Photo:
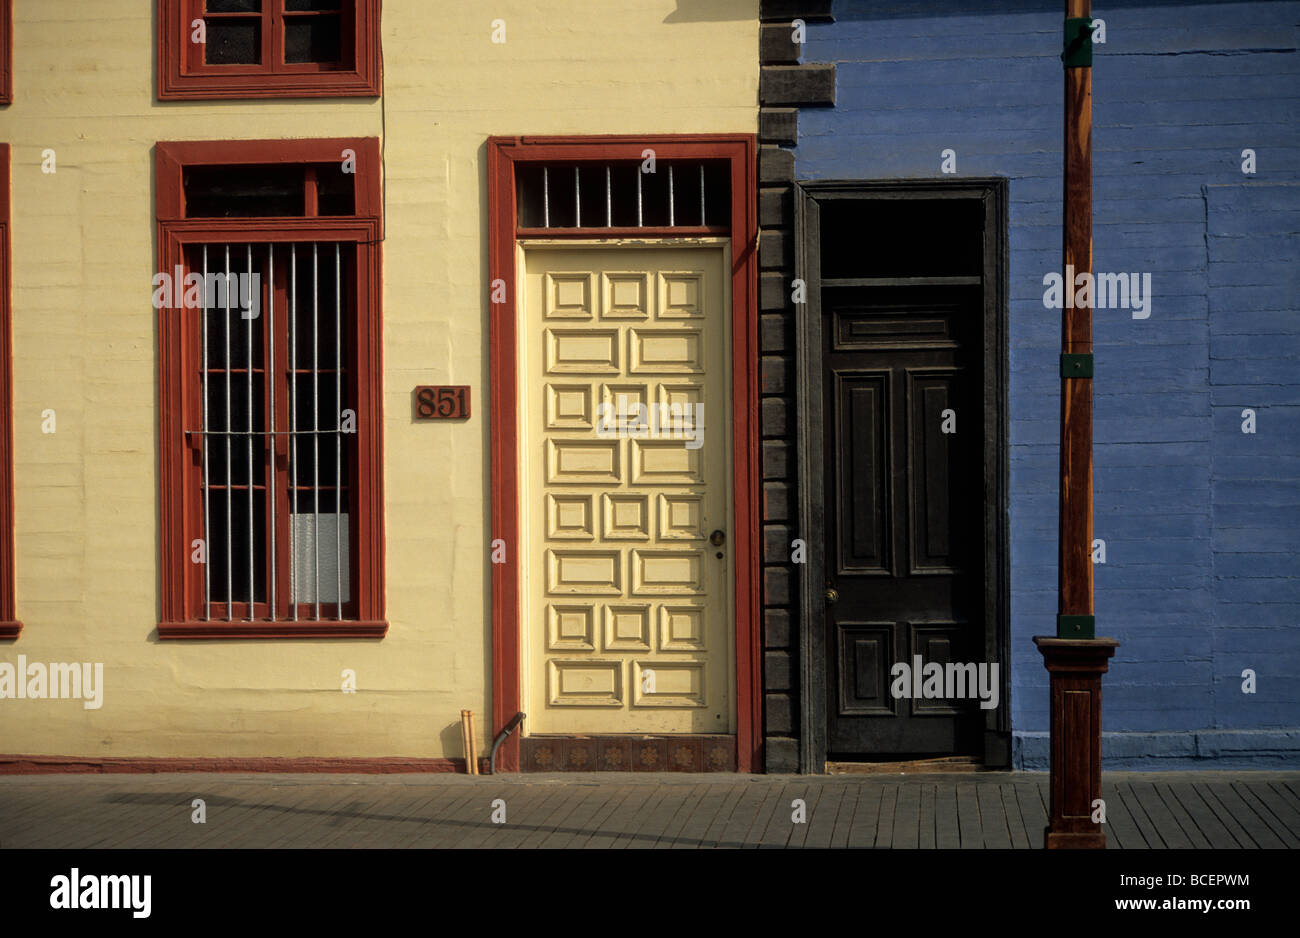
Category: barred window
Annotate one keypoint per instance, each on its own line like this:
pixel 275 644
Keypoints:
pixel 271 397
pixel 277 428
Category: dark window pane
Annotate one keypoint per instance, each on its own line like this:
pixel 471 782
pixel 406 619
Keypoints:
pixel 686 193
pixel 592 182
pixel 559 185
pixel 233 6
pixel 305 504
pixel 308 444
pixel 242 191
pixel 242 288
pixel 217 444
pixel 886 237
pixel 717 193
pixel 332 455
pixel 233 42
pixel 622 179
pixel 216 547
pixel 228 547
pixel 334 190
pixel 238 340
pixel 654 195
pixel 313 39
pixel 529 177
pixel 239 414
pixel 299 5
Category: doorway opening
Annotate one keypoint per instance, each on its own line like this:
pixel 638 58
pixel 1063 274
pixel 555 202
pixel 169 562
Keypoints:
pixel 903 390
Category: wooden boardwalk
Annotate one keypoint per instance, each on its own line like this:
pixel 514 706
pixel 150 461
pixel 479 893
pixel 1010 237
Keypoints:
pixel 997 810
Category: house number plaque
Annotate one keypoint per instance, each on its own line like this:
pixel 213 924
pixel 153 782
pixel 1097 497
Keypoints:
pixel 441 402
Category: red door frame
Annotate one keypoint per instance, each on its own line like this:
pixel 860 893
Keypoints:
pixel 9 624
pixel 503 153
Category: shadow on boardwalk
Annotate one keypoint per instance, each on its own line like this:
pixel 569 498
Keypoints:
pixel 995 810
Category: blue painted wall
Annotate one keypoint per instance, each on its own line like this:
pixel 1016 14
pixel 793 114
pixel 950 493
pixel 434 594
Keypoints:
pixel 1201 521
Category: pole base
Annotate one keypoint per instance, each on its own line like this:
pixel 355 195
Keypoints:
pixel 1068 841
pixel 1076 667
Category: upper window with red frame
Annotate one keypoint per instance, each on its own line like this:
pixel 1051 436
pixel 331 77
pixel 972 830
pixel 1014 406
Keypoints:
pixel 268 48
pixel 6 51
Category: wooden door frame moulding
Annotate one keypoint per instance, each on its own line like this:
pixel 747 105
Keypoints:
pixel 810 407
pixel 9 624
pixel 503 153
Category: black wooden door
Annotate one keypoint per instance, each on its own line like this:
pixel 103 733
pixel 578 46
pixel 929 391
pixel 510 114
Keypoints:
pixel 904 507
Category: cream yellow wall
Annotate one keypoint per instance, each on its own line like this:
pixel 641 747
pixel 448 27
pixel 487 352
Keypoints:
pixel 84 347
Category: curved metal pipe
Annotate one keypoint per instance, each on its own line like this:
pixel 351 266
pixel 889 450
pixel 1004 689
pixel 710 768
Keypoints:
pixel 501 738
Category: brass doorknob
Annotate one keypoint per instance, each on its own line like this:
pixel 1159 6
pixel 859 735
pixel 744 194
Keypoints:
pixel 832 595
pixel 717 538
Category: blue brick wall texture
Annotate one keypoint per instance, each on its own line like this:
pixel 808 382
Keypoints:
pixel 1201 521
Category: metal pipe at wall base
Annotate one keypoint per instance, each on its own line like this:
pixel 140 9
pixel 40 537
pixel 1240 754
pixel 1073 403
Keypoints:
pixel 501 738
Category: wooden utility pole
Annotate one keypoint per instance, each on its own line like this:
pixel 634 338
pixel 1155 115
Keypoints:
pixel 1076 658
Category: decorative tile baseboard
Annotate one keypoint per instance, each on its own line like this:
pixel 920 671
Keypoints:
pixel 628 754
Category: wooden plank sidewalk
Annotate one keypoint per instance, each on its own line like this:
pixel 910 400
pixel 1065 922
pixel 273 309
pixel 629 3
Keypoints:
pixel 986 810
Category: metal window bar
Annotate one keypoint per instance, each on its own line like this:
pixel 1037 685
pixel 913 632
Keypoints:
pixel 252 552
pixel 672 220
pixel 639 174
pixel 338 436
pixel 230 560
pixel 703 216
pixel 315 424
pixel 546 197
pixel 293 428
pixel 271 381
pixel 609 200
pixel 577 197
pixel 207 495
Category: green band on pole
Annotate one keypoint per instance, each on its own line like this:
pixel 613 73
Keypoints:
pixel 1076 364
pixel 1076 626
pixel 1078 42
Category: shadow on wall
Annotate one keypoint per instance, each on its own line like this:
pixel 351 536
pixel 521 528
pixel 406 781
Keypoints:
pixel 453 746
pixel 928 9
pixel 713 11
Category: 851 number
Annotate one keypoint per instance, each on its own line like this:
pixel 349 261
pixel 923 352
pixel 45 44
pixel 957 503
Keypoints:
pixel 434 402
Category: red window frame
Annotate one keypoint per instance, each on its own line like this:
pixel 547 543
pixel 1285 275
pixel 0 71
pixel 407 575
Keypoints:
pixel 180 398
pixel 182 74
pixel 6 54
pixel 9 624
pixel 504 233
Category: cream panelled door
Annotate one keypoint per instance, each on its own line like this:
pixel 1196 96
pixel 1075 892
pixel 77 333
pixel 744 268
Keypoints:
pixel 627 468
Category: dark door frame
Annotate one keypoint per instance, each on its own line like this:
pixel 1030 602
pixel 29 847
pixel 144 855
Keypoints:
pixel 992 192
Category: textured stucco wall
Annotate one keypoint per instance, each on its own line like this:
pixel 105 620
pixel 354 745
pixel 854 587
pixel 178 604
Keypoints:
pixel 85 347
